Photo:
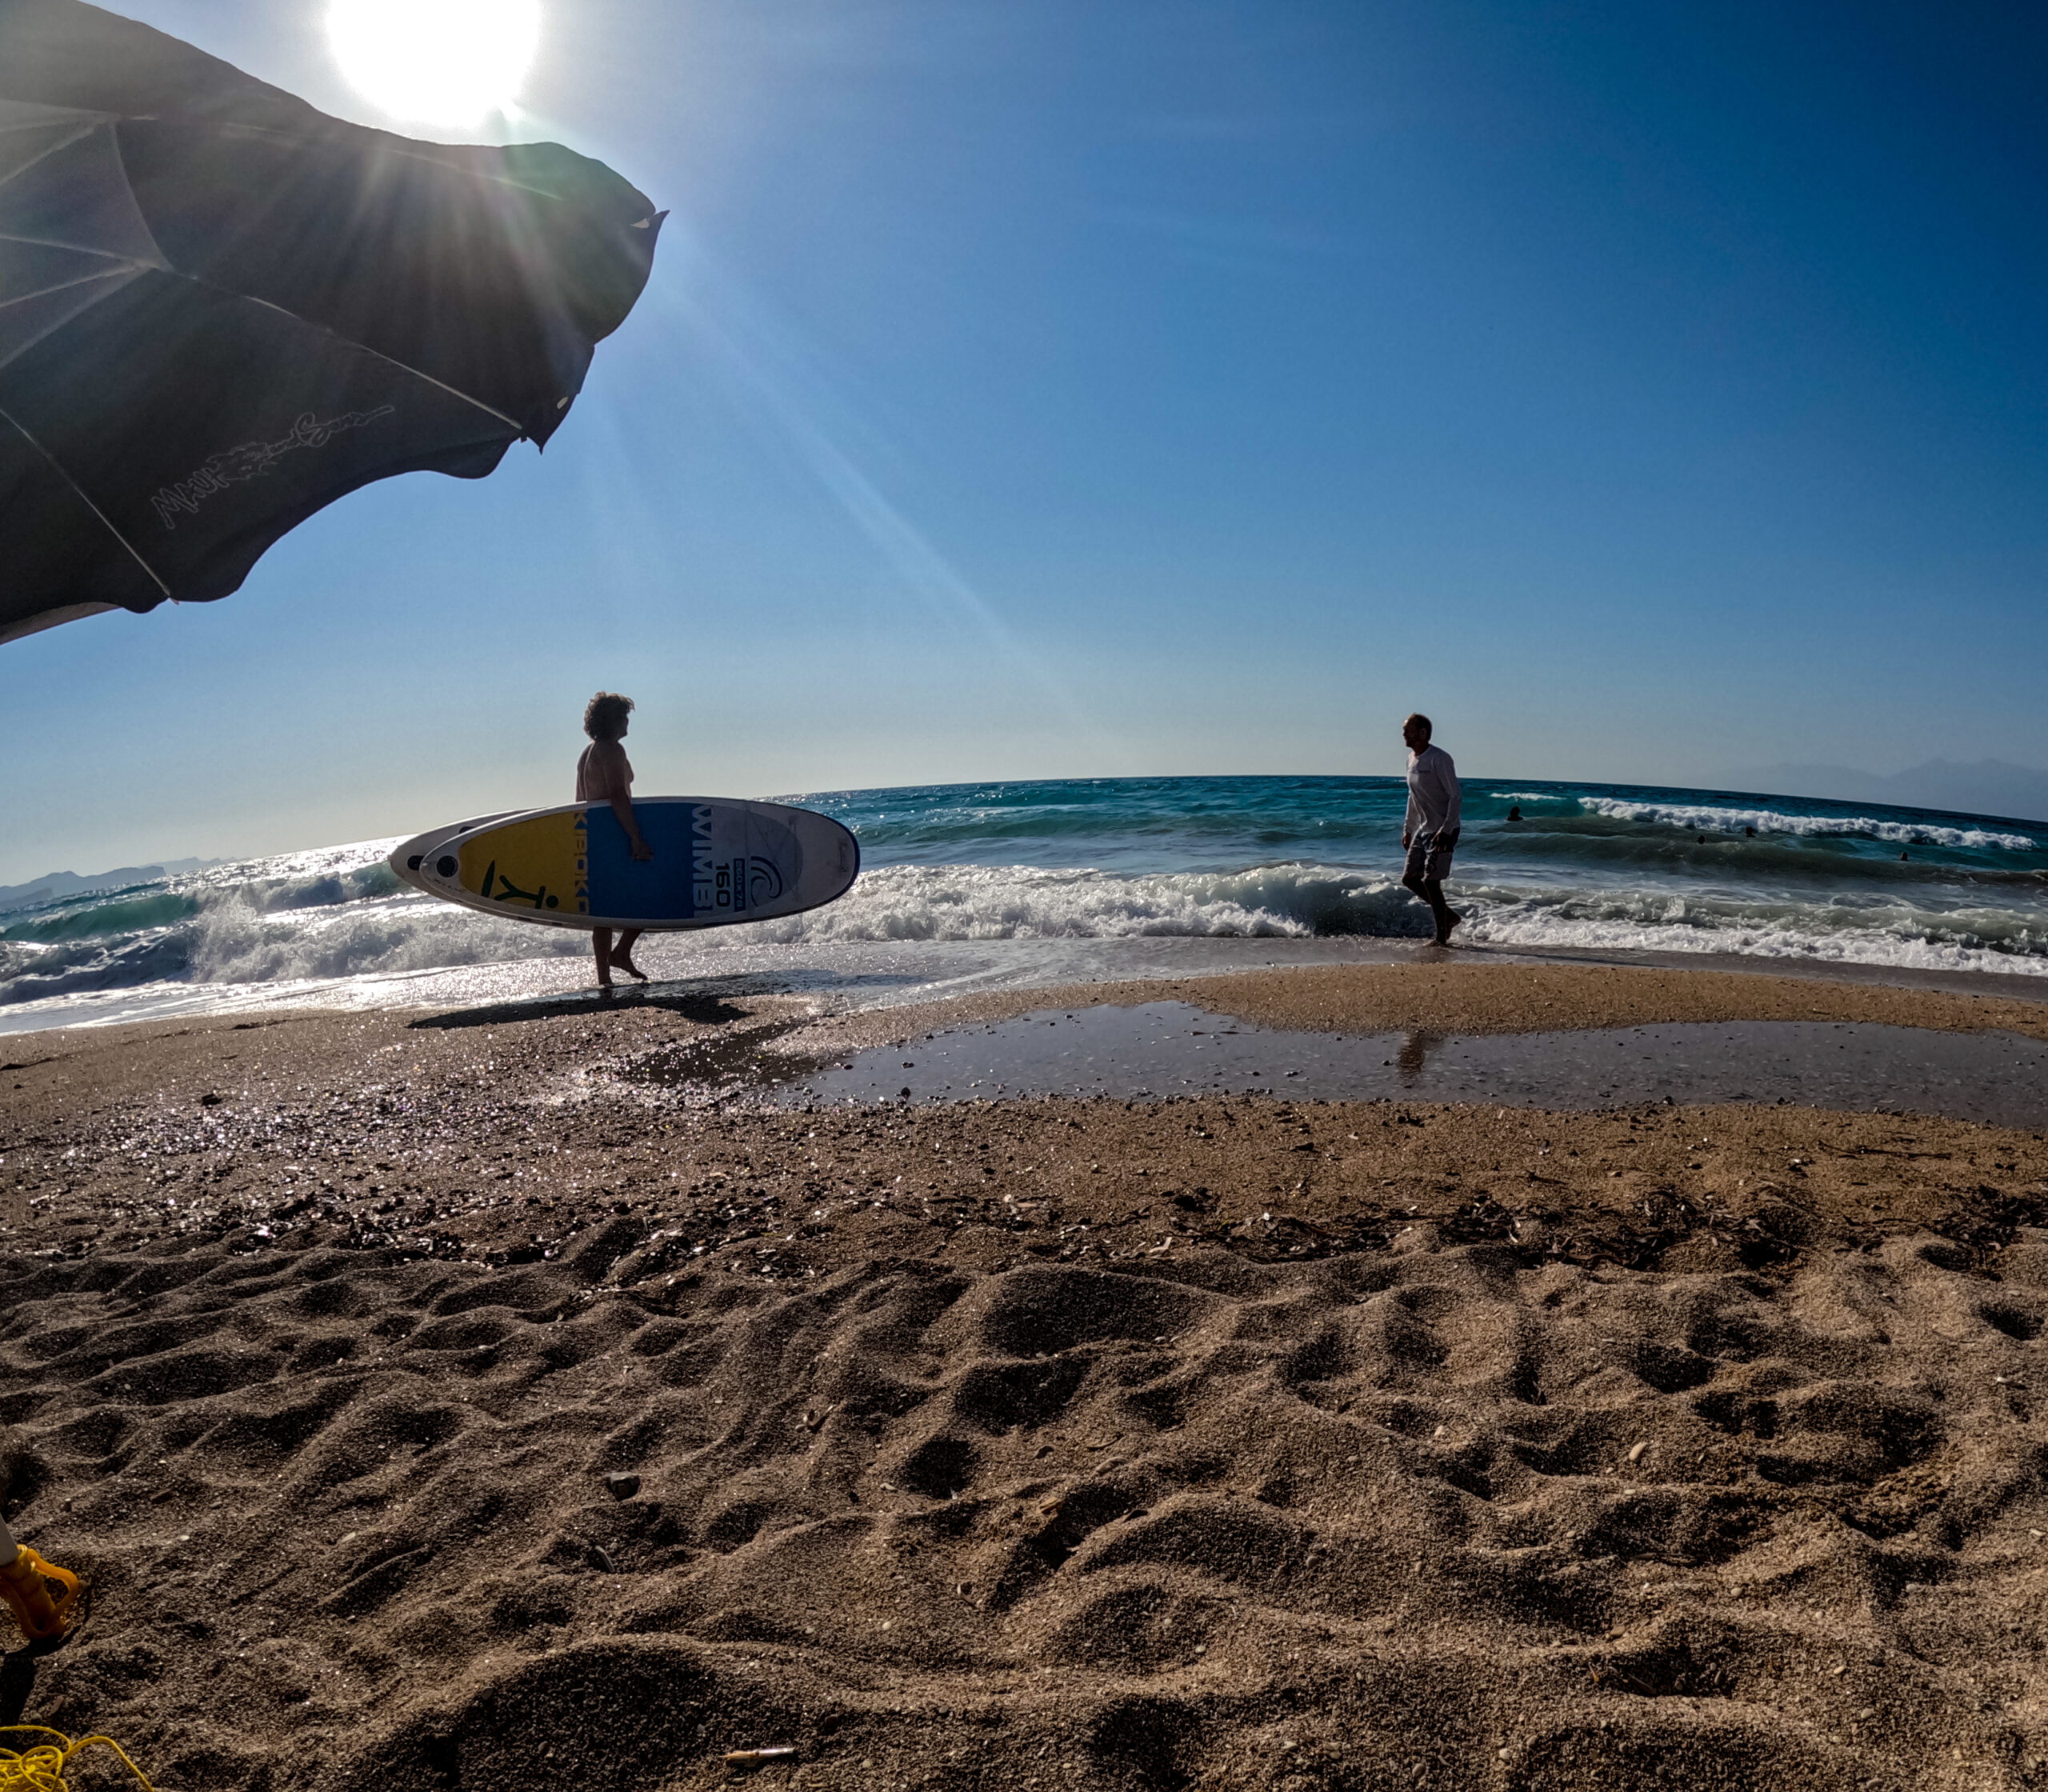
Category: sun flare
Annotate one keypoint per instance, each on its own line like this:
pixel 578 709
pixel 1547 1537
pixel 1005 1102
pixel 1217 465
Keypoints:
pixel 438 61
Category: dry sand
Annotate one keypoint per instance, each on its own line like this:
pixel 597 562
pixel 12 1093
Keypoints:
pixel 1235 1441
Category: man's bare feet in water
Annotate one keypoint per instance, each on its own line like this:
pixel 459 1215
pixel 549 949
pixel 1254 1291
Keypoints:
pixel 621 961
pixel 1443 933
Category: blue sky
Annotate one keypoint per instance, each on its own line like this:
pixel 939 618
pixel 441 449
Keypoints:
pixel 1644 390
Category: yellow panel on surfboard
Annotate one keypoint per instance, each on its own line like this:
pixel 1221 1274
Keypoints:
pixel 541 864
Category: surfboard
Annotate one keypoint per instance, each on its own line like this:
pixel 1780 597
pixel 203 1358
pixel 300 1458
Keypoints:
pixel 409 855
pixel 717 861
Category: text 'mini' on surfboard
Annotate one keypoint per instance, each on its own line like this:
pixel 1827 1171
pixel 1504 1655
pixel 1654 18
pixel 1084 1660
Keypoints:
pixel 716 861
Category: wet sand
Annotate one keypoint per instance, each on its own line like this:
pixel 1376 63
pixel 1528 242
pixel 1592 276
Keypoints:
pixel 1485 997
pixel 1243 1440
pixel 1157 1049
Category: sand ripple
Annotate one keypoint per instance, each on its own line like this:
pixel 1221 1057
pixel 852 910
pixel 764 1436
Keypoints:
pixel 1432 1516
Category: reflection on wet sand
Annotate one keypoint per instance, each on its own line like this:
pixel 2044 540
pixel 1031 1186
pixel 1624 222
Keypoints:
pixel 1159 1049
pixel 1414 1058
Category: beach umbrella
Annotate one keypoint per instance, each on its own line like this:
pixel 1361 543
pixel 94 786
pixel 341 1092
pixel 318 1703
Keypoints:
pixel 222 310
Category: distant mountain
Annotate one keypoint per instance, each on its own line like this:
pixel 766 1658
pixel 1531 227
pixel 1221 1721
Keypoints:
pixel 1987 787
pixel 55 884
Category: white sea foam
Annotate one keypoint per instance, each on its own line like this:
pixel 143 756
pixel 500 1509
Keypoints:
pixel 245 942
pixel 1843 933
pixel 236 941
pixel 318 924
pixel 1700 816
pixel 1022 902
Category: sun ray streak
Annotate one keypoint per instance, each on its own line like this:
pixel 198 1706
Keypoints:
pixel 767 363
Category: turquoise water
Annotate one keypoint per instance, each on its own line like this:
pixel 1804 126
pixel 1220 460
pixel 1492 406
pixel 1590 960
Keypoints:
pixel 1607 867
pixel 1584 864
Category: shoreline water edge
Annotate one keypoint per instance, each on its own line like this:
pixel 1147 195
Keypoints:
pixel 1060 881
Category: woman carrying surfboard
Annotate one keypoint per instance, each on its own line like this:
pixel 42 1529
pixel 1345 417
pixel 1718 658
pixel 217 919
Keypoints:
pixel 605 775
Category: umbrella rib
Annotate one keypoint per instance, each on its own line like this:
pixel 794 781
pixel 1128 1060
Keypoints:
pixel 389 360
pixel 84 498
pixel 130 270
pixel 65 285
pixel 74 249
pixel 82 131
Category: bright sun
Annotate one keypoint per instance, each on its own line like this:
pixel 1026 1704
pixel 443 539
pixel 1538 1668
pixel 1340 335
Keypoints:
pixel 440 62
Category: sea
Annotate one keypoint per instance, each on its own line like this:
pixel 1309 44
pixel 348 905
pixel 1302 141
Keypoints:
pixel 968 885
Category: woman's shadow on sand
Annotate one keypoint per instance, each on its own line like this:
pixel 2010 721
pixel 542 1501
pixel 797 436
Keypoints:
pixel 705 1007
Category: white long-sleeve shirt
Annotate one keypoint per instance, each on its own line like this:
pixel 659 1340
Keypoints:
pixel 1434 800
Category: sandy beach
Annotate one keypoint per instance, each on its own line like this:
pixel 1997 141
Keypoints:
pixel 906 899
pixel 535 1396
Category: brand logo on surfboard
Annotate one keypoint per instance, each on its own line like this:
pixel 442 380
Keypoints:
pixel 731 886
pixel 541 897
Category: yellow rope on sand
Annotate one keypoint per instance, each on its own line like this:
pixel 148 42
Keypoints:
pixel 41 1768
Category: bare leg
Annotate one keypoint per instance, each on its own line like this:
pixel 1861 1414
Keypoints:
pixel 601 944
pixel 622 959
pixel 1447 916
pixel 1430 890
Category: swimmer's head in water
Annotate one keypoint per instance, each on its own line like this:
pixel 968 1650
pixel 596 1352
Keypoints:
pixel 1416 731
pixel 604 716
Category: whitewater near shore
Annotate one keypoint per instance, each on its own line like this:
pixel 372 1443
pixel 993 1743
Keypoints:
pixel 1049 883
pixel 457 1398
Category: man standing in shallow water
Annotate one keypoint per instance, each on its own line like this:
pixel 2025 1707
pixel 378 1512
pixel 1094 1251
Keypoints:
pixel 605 775
pixel 1429 835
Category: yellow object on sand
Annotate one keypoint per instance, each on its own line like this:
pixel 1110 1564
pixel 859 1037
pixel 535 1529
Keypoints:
pixel 40 1767
pixel 25 1584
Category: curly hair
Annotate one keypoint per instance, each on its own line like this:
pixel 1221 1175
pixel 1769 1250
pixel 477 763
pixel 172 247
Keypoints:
pixel 605 715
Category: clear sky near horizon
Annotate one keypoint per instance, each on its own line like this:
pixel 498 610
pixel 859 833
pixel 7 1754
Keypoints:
pixel 1645 391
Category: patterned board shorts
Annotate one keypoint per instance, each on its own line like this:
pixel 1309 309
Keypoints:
pixel 1429 855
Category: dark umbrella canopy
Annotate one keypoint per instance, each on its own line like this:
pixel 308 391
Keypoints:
pixel 222 310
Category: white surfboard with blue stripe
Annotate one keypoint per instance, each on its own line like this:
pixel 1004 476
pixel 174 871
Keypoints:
pixel 716 860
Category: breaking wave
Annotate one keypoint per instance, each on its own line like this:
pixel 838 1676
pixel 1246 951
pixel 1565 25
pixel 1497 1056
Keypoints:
pixel 1603 868
pixel 1722 820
